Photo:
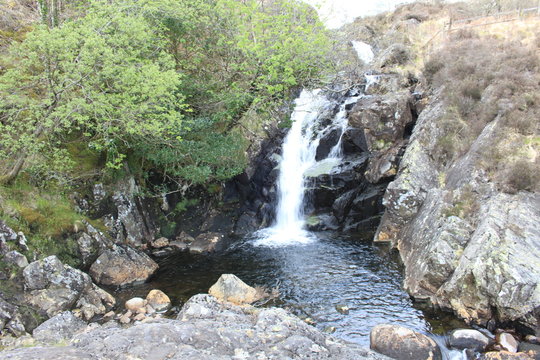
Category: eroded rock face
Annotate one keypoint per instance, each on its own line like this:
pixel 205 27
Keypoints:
pixel 122 265
pixel 401 343
pixel 466 246
pixel 207 329
pixel 54 287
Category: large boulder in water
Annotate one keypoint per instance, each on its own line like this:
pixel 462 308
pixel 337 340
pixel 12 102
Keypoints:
pixel 230 288
pixel 206 243
pixel 401 343
pixel 122 265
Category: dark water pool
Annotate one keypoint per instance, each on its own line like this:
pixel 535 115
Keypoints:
pixel 312 279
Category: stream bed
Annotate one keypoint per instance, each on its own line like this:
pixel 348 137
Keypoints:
pixel 313 280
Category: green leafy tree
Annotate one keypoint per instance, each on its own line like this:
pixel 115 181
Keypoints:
pixel 106 76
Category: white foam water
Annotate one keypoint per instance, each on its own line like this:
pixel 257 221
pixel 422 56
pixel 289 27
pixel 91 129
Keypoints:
pixel 299 162
pixel 299 151
pixel 364 51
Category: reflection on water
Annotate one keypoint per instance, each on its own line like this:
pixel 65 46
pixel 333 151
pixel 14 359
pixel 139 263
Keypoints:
pixel 313 279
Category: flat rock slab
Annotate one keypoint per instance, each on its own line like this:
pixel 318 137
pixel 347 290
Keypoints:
pixel 206 329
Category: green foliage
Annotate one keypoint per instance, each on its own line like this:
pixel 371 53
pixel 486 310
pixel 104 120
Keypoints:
pixel 105 76
pixel 46 216
pixel 163 81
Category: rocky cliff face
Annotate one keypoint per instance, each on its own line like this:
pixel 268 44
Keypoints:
pixel 466 245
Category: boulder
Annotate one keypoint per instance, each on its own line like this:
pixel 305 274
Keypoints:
pixel 53 287
pixel 468 339
pixel 61 327
pixel 122 265
pixel 158 300
pixel 401 343
pixel 206 242
pixel 16 258
pixel 136 305
pixel 247 223
pixel 230 288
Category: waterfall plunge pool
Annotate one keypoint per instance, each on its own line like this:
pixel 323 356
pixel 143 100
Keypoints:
pixel 312 279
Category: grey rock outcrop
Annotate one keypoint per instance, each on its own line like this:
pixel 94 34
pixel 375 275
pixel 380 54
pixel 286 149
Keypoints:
pixel 61 327
pixel 53 287
pixel 122 265
pixel 10 319
pixel 466 246
pixel 207 329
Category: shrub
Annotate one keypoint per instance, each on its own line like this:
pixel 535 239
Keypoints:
pixel 522 175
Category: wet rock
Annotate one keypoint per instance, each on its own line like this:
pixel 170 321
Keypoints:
pixel 468 339
pixel 507 342
pixel 136 305
pixel 54 287
pixel 230 288
pixel 206 242
pixel 122 265
pixel 158 300
pixel 342 309
pixel 16 258
pixel 399 342
pixel 505 355
pixel 326 143
pixel 160 243
pixel 247 223
pixel 59 328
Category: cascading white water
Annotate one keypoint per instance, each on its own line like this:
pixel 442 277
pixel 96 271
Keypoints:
pixel 298 156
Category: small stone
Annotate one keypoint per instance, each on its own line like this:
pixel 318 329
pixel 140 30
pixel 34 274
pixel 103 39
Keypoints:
pixel 109 315
pixel 139 317
pixel 342 309
pixel 309 321
pixel 532 339
pixel 178 245
pixel 125 319
pixel 150 310
pixel 160 243
pixel 330 329
pixel 16 258
pixel 508 342
pixel 135 304
pixel 158 300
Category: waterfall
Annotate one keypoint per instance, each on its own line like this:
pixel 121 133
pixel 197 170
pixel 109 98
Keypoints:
pixel 298 161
